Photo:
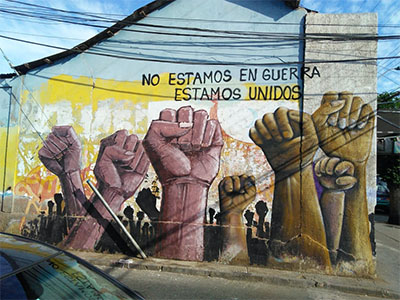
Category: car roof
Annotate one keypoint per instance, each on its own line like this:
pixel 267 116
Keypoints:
pixel 19 254
pixel 23 252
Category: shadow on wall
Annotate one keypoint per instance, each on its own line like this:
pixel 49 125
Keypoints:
pixel 53 228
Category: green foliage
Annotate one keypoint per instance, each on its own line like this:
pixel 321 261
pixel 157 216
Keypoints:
pixel 391 100
pixel 392 174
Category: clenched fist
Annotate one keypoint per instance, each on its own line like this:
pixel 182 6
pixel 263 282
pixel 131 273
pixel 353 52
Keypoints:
pixel 120 168
pixel 289 142
pixel 61 154
pixel 61 151
pixel 121 164
pixel 235 194
pixel 184 147
pixel 337 177
pixel 184 144
pixel 334 174
pixel 287 138
pixel 344 125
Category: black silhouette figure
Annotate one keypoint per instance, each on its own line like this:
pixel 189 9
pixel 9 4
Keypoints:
pixel 147 202
pixel 128 212
pixel 249 218
pixel 262 210
pixel 50 206
pixel 211 213
pixel 58 198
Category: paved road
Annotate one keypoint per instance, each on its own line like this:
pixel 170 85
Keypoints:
pixel 164 285
pixel 387 238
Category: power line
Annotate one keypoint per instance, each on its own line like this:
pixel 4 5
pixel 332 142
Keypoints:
pixel 52 8
pixel 16 72
pixel 26 116
pixel 377 4
pixel 388 64
pixel 101 18
pixel 361 5
pixel 235 34
pixel 200 62
pixel 41 35
pixel 385 75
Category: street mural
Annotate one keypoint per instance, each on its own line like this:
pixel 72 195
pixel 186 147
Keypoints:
pixel 318 217
pixel 202 166
pixel 223 145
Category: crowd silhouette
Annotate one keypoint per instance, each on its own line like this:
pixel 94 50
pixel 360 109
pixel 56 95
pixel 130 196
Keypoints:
pixel 53 227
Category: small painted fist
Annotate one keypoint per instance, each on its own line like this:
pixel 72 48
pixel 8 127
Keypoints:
pixel 236 193
pixel 335 174
pixel 61 151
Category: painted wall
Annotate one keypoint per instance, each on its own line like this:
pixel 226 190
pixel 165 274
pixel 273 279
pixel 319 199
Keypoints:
pixel 196 138
pixel 357 82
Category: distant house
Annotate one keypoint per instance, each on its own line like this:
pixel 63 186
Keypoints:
pixel 388 131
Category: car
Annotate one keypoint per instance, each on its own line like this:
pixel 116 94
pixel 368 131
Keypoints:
pixel 382 196
pixel 31 269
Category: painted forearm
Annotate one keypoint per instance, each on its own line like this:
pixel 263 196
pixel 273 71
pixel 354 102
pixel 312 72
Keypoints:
pixel 234 239
pixel 312 223
pixel 296 216
pixel 86 232
pixel 286 208
pixel 332 207
pixel 355 235
pixel 181 220
pixel 72 189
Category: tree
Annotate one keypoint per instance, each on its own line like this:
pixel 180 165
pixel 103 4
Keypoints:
pixel 391 172
pixel 392 176
pixel 389 100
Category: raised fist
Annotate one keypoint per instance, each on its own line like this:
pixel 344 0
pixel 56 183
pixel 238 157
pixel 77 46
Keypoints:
pixel 120 168
pixel 287 145
pixel 236 193
pixel 184 148
pixel 334 174
pixel 61 151
pixel 121 164
pixel 61 154
pixel 184 144
pixel 345 126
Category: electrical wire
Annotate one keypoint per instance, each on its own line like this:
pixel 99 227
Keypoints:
pixel 17 73
pixel 200 62
pixel 227 33
pixel 377 4
pixel 100 16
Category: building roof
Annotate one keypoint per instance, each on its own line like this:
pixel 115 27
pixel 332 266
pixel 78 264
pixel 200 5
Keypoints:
pixel 110 31
pixel 388 123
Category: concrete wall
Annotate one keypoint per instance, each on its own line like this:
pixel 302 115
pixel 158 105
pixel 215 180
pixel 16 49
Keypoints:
pixel 194 136
pixel 355 81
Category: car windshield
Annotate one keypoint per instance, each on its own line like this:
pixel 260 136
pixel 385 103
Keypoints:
pixel 54 276
pixel 382 189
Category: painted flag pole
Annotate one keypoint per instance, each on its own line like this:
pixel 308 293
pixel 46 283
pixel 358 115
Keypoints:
pixel 116 218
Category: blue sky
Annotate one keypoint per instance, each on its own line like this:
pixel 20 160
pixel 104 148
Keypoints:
pixel 68 35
